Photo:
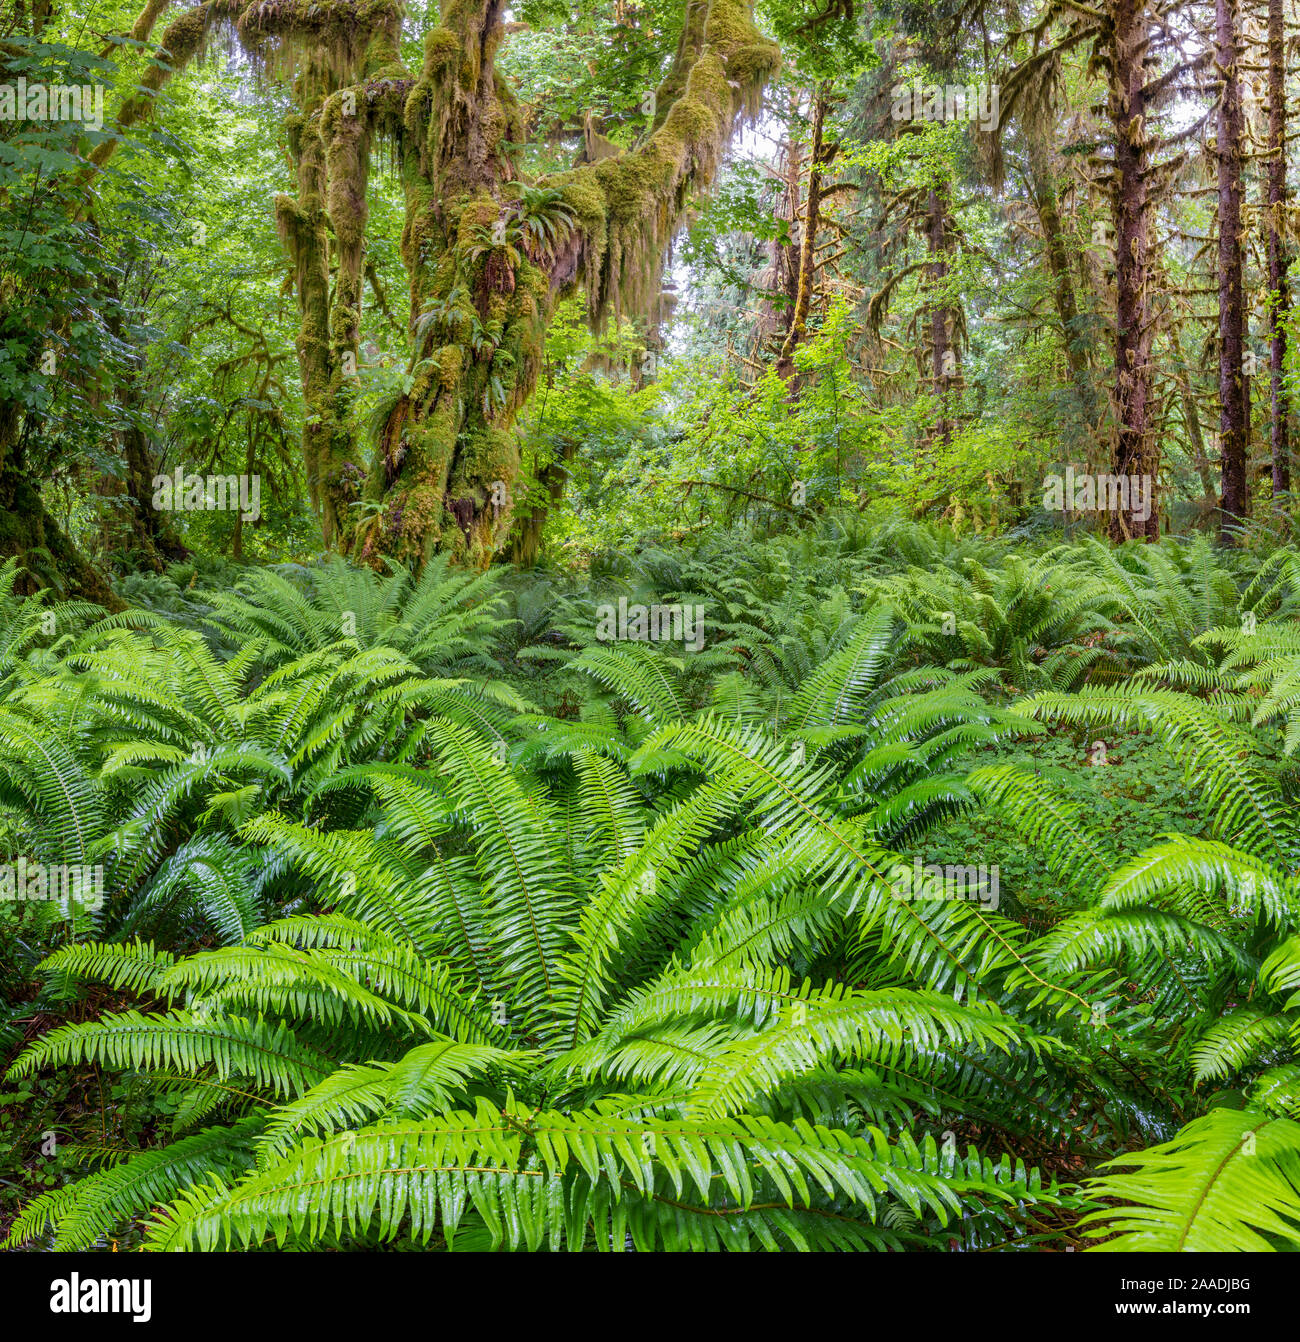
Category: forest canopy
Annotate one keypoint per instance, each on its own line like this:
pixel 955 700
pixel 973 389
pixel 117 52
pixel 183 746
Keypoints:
pixel 654 624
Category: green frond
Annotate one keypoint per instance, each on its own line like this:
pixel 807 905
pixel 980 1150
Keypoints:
pixel 1228 1182
pixel 428 1079
pixel 839 1024
pixel 134 965
pixel 87 1212
pixel 638 675
pixel 548 1179
pixel 182 1040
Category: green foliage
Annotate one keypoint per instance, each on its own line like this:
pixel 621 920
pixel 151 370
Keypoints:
pixel 541 940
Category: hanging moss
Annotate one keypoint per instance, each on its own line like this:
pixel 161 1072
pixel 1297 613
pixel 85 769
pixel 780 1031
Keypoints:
pixel 324 43
pixel 628 206
pixel 441 52
pixel 482 307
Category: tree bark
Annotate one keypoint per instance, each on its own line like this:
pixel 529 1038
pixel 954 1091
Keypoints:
pixel 943 367
pixel 1044 186
pixel 818 158
pixel 1134 450
pixel 1278 260
pixel 1233 426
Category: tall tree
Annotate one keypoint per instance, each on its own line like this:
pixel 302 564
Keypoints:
pixel 1278 259
pixel 1134 320
pixel 1043 183
pixel 1234 429
pixel 821 154
pixel 1136 45
pixel 488 254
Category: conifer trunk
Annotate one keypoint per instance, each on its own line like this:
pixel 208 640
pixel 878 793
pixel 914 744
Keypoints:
pixel 1044 188
pixel 1279 418
pixel 806 274
pixel 939 245
pixel 1134 332
pixel 1233 426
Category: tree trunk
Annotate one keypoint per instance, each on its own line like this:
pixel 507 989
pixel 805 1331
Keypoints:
pixel 1045 187
pixel 779 281
pixel 807 272
pixel 1279 427
pixel 526 538
pixel 1134 454
pixel 1200 460
pixel 943 352
pixel 151 531
pixel 1233 425
pixel 485 279
pixel 30 533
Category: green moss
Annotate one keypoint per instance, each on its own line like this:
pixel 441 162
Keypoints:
pixel 451 364
pixel 293 128
pixel 344 322
pixel 423 384
pixel 532 281
pixel 348 169
pixel 441 51
pixel 488 452
pixel 422 232
pixel 510 108
pixel 382 55
pixel 184 35
pixel 493 126
pixel 331 113
pixel 431 442
pixel 634 183
pixel 287 218
pixel 730 25
pixel 473 215
pixel 415 114
pixel 423 509
pixel 754 64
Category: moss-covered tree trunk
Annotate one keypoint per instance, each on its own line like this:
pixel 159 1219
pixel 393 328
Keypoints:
pixel 489 258
pixel 30 533
pixel 806 270
pixel 1044 190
